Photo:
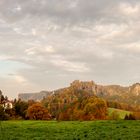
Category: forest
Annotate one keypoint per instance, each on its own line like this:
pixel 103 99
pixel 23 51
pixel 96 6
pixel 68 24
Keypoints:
pixel 70 104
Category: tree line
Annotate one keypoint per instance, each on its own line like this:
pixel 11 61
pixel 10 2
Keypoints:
pixel 68 106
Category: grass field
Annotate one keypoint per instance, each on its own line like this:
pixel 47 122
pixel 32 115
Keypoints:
pixel 120 112
pixel 53 130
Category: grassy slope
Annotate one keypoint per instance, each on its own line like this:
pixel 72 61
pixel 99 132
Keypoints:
pixel 52 130
pixel 121 113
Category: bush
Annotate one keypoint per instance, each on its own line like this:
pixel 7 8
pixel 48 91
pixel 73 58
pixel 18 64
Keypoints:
pixel 129 117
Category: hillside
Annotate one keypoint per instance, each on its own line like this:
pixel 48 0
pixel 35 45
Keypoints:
pixel 33 96
pixel 75 104
pixel 128 95
pixel 121 113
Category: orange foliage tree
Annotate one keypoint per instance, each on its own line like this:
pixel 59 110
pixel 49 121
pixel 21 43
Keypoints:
pixel 91 108
pixel 38 112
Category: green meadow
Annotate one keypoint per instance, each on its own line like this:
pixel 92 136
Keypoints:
pixel 121 113
pixel 70 130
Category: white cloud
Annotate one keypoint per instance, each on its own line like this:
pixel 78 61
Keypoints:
pixel 34 32
pixel 20 79
pixel 5 57
pixel 17 8
pixel 95 39
pixel 68 65
pixel 129 9
pixel 39 50
pixel 49 49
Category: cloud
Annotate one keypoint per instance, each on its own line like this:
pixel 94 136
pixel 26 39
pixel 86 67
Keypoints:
pixel 129 9
pixel 73 39
pixel 68 65
pixel 20 79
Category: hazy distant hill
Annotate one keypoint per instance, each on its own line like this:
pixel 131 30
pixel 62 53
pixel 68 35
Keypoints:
pixel 33 96
pixel 129 95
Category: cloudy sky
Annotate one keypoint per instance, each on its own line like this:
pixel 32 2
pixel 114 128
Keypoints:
pixel 46 44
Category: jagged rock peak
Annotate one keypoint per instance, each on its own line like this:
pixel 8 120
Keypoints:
pixel 136 85
pixel 83 85
pixel 135 89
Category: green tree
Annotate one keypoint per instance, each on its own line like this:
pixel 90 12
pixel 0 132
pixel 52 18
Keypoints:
pixel 21 108
pixel 126 117
pixel 1 97
pixel 3 115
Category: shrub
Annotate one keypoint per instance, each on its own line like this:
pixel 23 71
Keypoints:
pixel 129 117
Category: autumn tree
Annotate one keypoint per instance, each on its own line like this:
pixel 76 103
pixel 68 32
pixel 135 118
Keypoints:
pixel 38 112
pixel 95 107
pixel 75 104
pixel 90 108
pixel 136 115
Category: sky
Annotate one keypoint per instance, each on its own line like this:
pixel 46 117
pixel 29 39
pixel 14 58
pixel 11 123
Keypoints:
pixel 46 44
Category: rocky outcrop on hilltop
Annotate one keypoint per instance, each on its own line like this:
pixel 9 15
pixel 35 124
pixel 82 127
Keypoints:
pixel 117 93
pixel 135 89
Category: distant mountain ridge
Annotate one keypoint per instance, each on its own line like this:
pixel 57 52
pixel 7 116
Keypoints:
pixel 129 95
pixel 33 96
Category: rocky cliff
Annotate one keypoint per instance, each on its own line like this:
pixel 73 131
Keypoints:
pixel 129 95
pixel 33 96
